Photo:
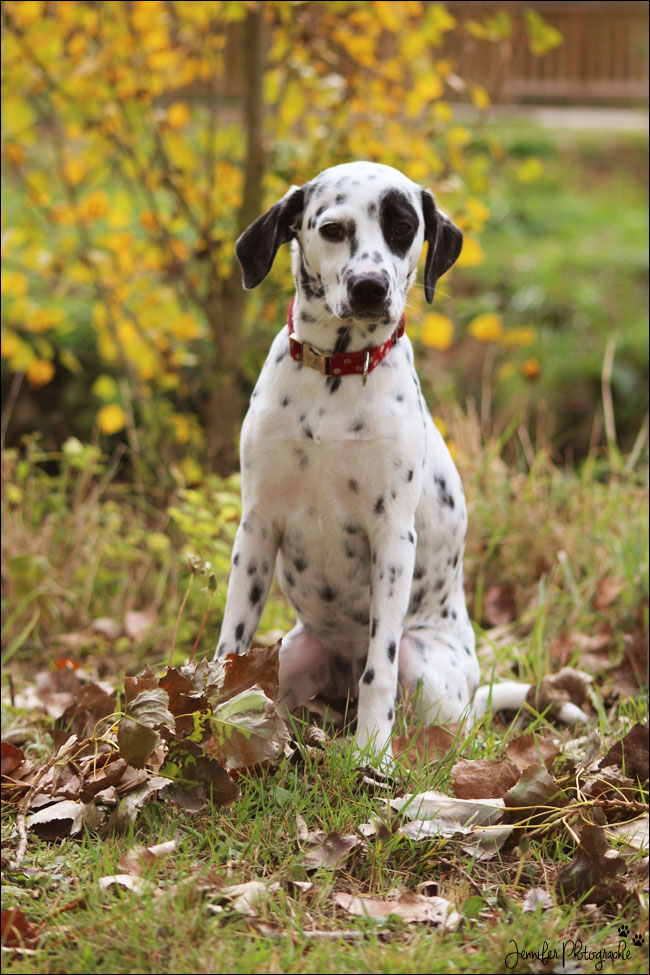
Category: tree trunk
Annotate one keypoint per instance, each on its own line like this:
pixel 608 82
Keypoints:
pixel 226 405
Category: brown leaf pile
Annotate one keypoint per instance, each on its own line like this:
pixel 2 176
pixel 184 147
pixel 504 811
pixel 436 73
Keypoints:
pixel 181 737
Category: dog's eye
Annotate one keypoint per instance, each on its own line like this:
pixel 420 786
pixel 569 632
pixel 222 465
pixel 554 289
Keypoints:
pixel 332 231
pixel 402 229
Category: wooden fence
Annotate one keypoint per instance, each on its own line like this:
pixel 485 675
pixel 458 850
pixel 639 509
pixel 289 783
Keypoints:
pixel 603 57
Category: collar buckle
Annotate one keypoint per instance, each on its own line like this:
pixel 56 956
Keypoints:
pixel 315 359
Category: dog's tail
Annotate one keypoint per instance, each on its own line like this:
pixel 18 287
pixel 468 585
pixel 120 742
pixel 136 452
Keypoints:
pixel 510 695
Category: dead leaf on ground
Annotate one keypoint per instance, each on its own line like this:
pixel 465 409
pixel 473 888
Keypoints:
pixel 500 604
pixel 532 749
pixel 608 590
pixel 65 818
pixel 429 744
pixel 631 753
pixel 554 690
pixel 12 758
pixel 535 788
pixel 411 907
pixel 483 778
pixel 634 833
pixel 18 931
pixel 329 850
pixel 258 666
pixel 591 872
pixel 126 812
pixel 248 729
pixel 537 898
pixel 139 885
pixel 138 859
pixel 137 623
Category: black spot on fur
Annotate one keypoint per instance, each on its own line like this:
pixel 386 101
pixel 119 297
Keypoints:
pixel 239 631
pixel 392 649
pixel 328 593
pixel 390 715
pixel 353 485
pixel 255 594
pixel 409 475
pixel 445 498
pixel 375 624
pixel 357 426
pixel 252 567
pixel 334 383
pixel 379 506
pixel 285 401
pixel 369 676
pixel 398 220
pixel 300 564
pixel 235 558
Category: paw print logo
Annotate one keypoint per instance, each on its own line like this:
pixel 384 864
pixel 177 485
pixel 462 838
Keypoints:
pixel 624 930
pixel 637 940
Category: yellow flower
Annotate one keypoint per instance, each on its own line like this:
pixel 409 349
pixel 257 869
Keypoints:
pixel 111 418
pixel 39 373
pixel 486 328
pixel 437 331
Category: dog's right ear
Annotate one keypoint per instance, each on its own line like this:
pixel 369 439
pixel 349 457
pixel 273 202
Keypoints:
pixel 258 245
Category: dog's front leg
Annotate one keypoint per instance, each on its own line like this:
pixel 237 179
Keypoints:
pixel 393 559
pixel 251 573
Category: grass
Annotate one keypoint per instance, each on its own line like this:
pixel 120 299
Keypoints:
pixel 554 535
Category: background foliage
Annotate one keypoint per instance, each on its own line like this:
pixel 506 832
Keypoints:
pixel 140 138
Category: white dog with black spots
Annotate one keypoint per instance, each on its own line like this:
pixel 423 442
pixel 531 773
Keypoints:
pixel 348 489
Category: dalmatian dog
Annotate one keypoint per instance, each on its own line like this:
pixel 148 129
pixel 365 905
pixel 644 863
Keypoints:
pixel 348 489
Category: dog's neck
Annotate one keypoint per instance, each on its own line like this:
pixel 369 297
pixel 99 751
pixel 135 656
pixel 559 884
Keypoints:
pixel 315 324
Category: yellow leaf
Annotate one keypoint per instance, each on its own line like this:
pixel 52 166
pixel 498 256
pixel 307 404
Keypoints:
pixel 185 327
pixel 505 371
pixel 94 206
pixel 178 115
pixel 486 328
pixel 13 283
pixel 41 319
pixel 524 335
pixel 529 170
pixel 105 388
pixel 437 331
pixel 74 171
pixel 479 96
pixel 181 428
pixel 111 418
pixel 9 344
pixel 39 373
pixel 472 253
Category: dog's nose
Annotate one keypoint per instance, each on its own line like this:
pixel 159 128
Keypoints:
pixel 367 292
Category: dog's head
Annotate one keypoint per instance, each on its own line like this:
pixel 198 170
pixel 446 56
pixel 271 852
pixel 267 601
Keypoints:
pixel 358 229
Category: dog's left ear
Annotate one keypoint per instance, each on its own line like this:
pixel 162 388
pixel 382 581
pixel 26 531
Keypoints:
pixel 258 245
pixel 445 241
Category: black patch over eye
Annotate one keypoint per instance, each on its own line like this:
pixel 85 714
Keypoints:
pixel 332 231
pixel 398 220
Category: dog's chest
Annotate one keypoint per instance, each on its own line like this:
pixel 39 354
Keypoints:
pixel 310 443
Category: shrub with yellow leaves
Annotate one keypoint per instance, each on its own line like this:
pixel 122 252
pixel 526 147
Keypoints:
pixel 141 138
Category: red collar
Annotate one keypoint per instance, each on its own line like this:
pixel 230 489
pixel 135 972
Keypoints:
pixel 341 363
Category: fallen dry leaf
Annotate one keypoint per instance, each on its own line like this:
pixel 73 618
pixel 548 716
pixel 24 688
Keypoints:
pixel 429 744
pixel 567 686
pixel 631 753
pixel 500 604
pixel 139 858
pixel 410 907
pixel 137 623
pixel 17 931
pixel 536 898
pixel 483 778
pixel 66 818
pixel 329 851
pixel 536 787
pixel 532 749
pixel 139 885
pixel 248 729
